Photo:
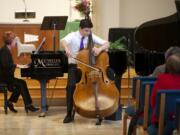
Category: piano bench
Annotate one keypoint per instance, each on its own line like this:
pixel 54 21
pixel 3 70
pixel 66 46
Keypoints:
pixel 4 89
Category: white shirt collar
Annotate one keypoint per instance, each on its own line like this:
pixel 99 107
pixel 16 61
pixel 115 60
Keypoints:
pixel 79 34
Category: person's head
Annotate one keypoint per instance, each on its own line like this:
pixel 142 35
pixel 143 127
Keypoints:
pixel 173 64
pixel 9 39
pixel 170 51
pixel 85 27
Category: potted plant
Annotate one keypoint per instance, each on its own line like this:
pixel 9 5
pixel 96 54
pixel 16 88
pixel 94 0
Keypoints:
pixel 118 44
pixel 119 55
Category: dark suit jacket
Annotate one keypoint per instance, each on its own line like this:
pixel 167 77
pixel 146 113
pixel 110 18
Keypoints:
pixel 7 66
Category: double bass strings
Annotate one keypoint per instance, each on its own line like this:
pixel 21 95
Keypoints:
pixel 86 64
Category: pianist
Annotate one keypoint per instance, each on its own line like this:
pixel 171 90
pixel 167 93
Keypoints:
pixel 7 67
pixel 72 44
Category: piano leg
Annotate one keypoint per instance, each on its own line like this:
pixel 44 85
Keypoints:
pixel 43 98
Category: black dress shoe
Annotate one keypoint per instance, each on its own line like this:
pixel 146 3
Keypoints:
pixel 68 119
pixel 11 107
pixel 73 114
pixel 99 120
pixel 31 108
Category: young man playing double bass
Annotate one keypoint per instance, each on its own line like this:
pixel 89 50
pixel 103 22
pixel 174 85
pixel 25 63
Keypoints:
pixel 73 43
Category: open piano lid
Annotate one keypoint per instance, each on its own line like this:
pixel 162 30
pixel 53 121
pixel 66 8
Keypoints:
pixel 159 35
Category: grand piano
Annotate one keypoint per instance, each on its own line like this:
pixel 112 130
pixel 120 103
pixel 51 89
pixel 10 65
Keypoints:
pixel 148 43
pixel 155 37
pixel 46 65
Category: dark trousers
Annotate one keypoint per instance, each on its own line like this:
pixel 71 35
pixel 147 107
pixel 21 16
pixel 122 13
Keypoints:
pixel 19 87
pixel 74 76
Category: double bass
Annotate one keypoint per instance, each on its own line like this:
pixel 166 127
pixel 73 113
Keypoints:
pixel 95 95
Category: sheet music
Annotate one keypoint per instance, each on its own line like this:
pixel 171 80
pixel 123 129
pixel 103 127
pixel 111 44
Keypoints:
pixel 30 38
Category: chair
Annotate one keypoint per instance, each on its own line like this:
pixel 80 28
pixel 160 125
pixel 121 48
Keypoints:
pixel 137 94
pixel 178 114
pixel 4 89
pixel 24 48
pixel 137 84
pixel 147 88
pixel 164 107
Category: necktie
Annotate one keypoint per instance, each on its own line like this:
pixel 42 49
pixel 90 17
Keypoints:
pixel 82 44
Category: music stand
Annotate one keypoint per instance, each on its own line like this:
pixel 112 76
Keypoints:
pixel 54 23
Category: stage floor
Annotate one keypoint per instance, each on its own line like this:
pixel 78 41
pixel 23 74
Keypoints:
pixel 30 124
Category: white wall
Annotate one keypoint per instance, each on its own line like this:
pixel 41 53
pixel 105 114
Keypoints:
pixel 128 13
pixel 41 7
pixel 135 12
pixel 106 14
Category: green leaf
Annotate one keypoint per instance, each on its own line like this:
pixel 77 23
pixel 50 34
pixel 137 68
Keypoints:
pixel 118 44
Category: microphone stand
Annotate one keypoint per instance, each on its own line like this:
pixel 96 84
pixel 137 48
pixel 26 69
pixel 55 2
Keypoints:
pixel 54 36
pixel 128 65
pixel 25 18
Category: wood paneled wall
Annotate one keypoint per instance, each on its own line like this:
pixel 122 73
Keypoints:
pixel 21 29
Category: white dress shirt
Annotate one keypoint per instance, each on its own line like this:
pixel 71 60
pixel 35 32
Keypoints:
pixel 73 41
